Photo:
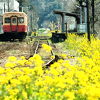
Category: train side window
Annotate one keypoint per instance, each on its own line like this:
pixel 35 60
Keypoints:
pixel 20 20
pixel 7 20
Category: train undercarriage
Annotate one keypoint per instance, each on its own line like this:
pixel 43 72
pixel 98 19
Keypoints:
pixel 11 36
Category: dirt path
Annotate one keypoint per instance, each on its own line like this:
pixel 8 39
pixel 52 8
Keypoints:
pixel 16 49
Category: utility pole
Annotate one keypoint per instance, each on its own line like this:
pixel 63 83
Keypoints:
pixel 4 8
pixel 88 23
pixel 81 15
pixel 63 19
pixel 66 31
pixel 87 18
pixel 80 2
pixel 92 4
pixel 20 5
pixel 31 21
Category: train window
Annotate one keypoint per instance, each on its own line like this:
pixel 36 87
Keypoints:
pixel 14 20
pixel 7 20
pixel 20 20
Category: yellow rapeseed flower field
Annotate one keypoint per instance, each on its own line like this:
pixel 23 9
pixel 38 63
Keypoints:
pixel 22 79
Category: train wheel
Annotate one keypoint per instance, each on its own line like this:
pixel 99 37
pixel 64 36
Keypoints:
pixel 21 36
pixel 19 39
pixel 12 40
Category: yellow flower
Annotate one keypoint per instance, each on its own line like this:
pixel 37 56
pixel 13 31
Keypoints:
pixel 54 71
pixel 93 92
pixel 24 79
pixel 2 70
pixel 82 91
pixel 9 64
pixel 21 62
pixel 52 89
pixel 28 63
pixel 92 98
pixel 22 57
pixel 15 82
pixel 70 81
pixel 27 70
pixel 69 95
pixel 46 47
pixel 58 94
pixel 12 59
pixel 10 98
pixel 13 92
pixel 24 93
pixel 37 57
pixel 63 56
pixel 61 85
pixel 52 57
pixel 3 80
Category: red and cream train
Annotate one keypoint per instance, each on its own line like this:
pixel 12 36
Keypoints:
pixel 15 25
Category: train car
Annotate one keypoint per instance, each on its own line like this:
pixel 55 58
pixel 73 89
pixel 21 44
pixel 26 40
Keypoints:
pixel 15 25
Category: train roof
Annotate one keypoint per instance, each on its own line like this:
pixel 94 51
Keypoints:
pixel 14 13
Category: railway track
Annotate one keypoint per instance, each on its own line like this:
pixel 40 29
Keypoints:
pixel 37 46
pixel 28 48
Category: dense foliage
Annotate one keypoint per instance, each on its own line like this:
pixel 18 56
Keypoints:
pixel 41 11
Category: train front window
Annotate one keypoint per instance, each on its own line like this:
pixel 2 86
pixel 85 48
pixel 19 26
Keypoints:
pixel 7 20
pixel 20 20
pixel 14 20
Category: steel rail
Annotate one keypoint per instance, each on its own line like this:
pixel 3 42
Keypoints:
pixel 35 52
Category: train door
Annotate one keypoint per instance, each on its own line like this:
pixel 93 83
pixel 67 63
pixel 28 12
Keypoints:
pixel 14 24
